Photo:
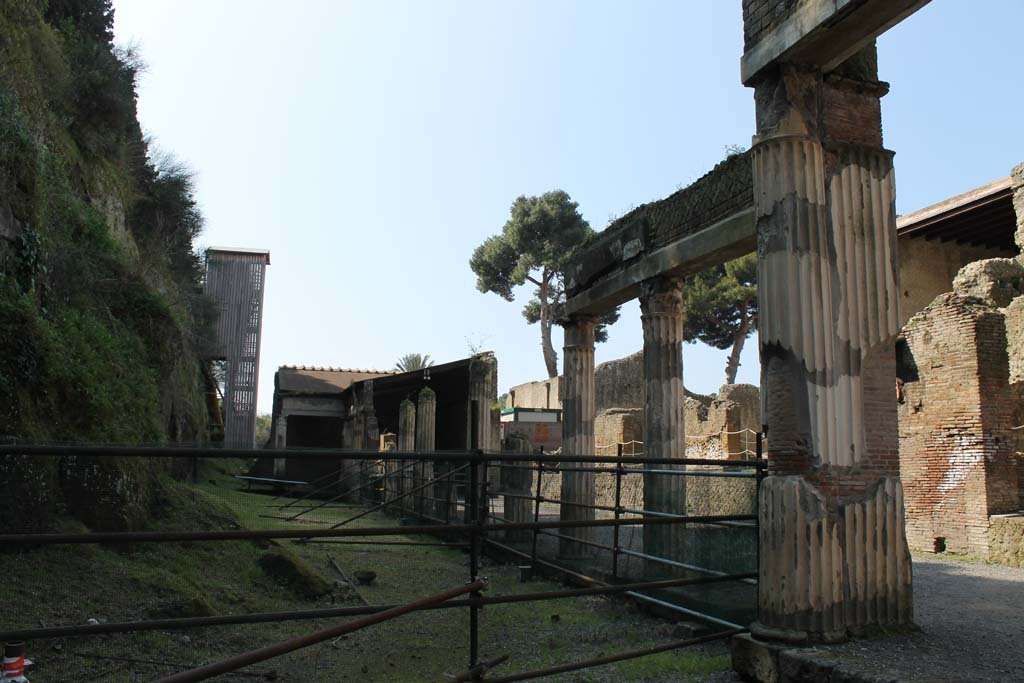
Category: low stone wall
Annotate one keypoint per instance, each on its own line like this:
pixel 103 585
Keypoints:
pixel 619 426
pixel 539 394
pixel 1006 540
pixel 704 495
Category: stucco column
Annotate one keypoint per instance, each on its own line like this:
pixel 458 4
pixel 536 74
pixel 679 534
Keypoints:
pixel 833 552
pixel 482 393
pixel 406 444
pixel 517 483
pixel 426 424
pixel 577 429
pixel 662 315
pixel 280 441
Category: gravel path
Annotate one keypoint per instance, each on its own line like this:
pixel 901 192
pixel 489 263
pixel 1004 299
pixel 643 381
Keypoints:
pixel 972 627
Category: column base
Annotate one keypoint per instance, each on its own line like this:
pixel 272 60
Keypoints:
pixel 832 566
pixel 796 637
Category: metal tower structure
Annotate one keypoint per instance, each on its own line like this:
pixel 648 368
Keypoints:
pixel 235 280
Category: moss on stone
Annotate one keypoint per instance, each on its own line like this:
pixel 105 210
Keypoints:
pixel 287 568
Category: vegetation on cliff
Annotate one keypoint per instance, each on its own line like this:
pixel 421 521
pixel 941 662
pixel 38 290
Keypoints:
pixel 102 319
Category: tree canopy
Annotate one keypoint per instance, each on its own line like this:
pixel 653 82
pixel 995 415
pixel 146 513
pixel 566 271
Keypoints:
pixel 721 308
pixel 413 361
pixel 536 243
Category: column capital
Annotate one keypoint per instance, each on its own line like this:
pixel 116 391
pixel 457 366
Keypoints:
pixel 577 320
pixel 661 296
pixel 579 330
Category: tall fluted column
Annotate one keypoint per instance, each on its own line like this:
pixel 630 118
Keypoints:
pixel 577 429
pixel 406 426
pixel 280 441
pixel 517 483
pixel 833 554
pixel 662 315
pixel 396 474
pixel 482 393
pixel 426 415
pixel 426 424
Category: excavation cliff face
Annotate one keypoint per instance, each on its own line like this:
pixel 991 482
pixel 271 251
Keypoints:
pixel 101 320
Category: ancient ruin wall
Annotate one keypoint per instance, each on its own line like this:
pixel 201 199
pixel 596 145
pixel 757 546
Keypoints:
pixel 540 394
pixel 927 269
pixel 955 454
pixel 619 384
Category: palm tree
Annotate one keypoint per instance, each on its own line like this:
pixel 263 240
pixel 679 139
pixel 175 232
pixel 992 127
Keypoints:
pixel 413 361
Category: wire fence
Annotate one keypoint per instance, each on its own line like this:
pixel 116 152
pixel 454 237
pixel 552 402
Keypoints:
pixel 389 530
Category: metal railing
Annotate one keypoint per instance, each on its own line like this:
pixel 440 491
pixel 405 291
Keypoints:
pixel 442 494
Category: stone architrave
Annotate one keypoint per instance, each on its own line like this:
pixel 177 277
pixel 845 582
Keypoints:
pixel 662 315
pixel 577 430
pixel 833 552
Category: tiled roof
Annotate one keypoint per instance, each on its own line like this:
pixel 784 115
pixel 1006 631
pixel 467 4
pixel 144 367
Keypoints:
pixel 304 379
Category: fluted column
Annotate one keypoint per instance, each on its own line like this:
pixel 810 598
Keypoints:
pixel 662 315
pixel 281 441
pixel 426 424
pixel 483 392
pixel 577 428
pixel 406 444
pixel 833 554
pixel 426 415
pixel 406 426
pixel 517 483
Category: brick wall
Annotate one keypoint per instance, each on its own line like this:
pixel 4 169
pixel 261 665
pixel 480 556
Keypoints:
pixel 956 446
pixel 761 16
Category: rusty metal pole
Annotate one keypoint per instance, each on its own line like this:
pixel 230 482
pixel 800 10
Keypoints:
pixel 618 512
pixel 536 511
pixel 474 560
pixel 758 476
pixel 245 659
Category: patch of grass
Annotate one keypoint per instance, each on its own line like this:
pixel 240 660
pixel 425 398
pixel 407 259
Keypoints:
pixel 285 567
pixel 143 580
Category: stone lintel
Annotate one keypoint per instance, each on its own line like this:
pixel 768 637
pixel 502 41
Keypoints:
pixel 824 33
pixel 728 239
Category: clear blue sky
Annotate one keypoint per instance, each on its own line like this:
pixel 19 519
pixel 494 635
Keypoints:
pixel 372 145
